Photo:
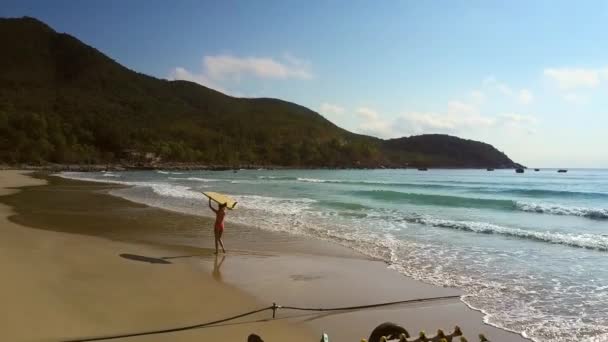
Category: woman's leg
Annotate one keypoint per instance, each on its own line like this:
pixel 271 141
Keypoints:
pixel 219 238
pixel 215 233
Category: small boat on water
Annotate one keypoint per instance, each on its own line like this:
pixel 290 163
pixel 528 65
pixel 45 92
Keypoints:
pixel 519 170
pixel 562 170
pixel 423 169
pixel 490 169
pixel 536 170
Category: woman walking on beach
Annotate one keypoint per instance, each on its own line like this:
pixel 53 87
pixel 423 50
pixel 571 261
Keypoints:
pixel 218 228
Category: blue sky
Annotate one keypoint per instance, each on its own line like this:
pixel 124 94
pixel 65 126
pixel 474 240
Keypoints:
pixel 529 77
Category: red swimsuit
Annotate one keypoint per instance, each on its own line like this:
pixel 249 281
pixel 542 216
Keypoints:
pixel 219 221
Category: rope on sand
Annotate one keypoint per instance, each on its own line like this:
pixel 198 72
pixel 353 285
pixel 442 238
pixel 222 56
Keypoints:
pixel 274 309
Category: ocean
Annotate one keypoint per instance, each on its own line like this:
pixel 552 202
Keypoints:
pixel 528 250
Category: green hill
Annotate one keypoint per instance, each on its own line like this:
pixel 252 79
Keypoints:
pixel 62 101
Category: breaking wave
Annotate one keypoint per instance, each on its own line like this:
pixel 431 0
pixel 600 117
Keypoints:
pixel 590 241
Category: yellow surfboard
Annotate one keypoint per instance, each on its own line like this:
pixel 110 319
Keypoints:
pixel 221 199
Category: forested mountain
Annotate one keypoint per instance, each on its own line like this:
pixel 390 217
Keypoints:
pixel 62 101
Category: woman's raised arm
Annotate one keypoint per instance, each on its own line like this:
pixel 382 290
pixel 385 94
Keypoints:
pixel 211 207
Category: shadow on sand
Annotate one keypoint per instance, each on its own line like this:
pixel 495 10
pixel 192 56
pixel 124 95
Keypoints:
pixel 144 258
pixel 159 260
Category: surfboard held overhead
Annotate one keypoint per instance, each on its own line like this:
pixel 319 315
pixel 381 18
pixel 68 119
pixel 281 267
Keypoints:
pixel 221 199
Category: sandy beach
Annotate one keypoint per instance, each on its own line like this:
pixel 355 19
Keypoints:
pixel 80 263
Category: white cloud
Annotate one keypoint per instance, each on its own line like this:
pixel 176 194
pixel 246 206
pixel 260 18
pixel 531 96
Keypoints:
pixel 525 96
pixel 575 98
pixel 223 66
pixel 571 78
pixel 331 109
pixel 293 60
pixel 478 96
pixel 518 122
pixel 185 75
pixel 413 123
pixel 373 124
pixel 492 82
pixel 504 89
pixel 217 70
pixel 460 118
pixel 366 113
pixel 518 118
pixel 461 107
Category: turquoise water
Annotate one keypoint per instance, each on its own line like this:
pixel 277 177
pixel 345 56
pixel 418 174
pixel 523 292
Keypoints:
pixel 529 250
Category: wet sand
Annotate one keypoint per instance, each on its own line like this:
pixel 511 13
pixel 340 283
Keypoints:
pixel 57 286
pixel 96 290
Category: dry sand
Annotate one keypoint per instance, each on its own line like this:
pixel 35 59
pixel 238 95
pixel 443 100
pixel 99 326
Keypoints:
pixel 69 285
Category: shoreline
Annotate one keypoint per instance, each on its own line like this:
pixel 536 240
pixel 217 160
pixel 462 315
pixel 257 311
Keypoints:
pixel 204 167
pixel 266 272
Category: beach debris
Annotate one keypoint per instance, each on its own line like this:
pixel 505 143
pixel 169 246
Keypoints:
pixel 254 338
pixel 389 330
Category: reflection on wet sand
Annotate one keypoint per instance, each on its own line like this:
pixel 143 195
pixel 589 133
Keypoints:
pixel 217 275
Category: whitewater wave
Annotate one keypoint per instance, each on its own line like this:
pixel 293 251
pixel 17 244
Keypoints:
pixel 159 188
pixel 274 205
pixel 243 181
pixel 435 200
pixel 590 241
pixel 109 174
pixel 343 205
pixel 176 191
pixel 81 176
pixel 360 182
pixel 376 183
pixel 543 193
pixel 169 172
pixel 593 213
pixel 488 203
pixel 315 180
pixel 277 177
pixel 471 187
pixel 196 179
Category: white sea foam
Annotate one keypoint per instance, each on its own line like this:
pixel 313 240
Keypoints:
pixel 110 174
pixel 592 241
pixel 595 213
pixel 159 188
pixel 85 177
pixel 275 205
pixel 197 179
pixel 312 180
pixel 177 191
pixel 169 172
pixel 243 181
